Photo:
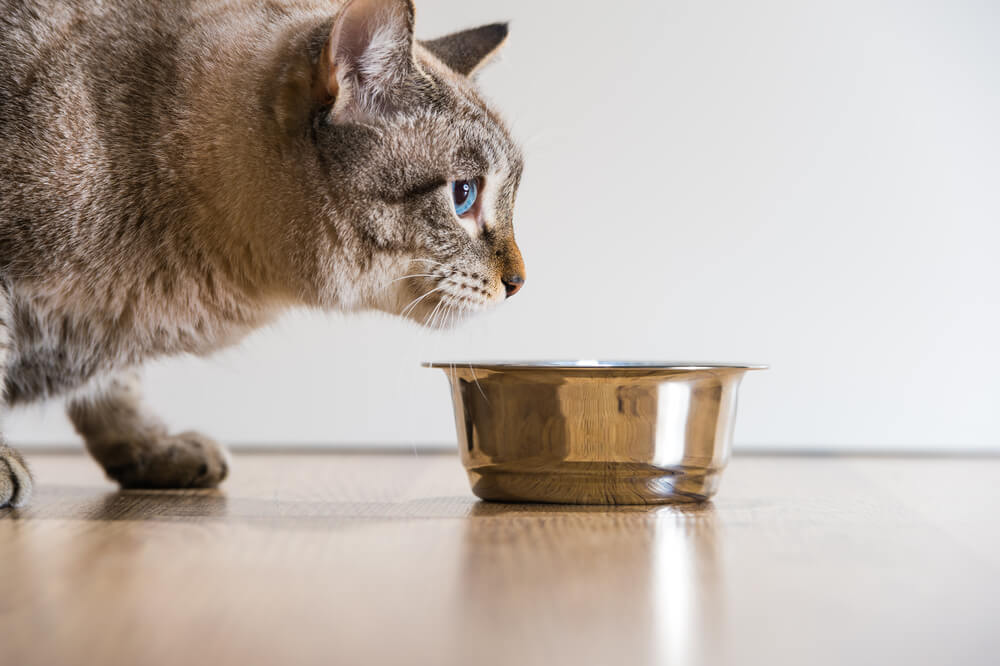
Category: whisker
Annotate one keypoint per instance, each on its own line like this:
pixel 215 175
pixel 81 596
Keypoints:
pixel 429 319
pixel 417 300
pixel 415 275
pixel 438 315
pixel 448 320
pixel 478 385
pixel 457 311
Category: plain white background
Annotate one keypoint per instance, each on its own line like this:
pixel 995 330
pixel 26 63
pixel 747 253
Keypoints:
pixel 811 185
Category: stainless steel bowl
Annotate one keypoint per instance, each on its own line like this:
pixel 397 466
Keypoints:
pixel 593 432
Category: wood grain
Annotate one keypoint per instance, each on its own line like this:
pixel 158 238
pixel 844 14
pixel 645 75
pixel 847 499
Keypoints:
pixel 376 559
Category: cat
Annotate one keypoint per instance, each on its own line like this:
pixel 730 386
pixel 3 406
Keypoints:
pixel 175 174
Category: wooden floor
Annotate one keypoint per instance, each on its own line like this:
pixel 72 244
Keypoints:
pixel 382 559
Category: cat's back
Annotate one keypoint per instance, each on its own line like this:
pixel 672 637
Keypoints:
pixel 103 104
pixel 78 82
pixel 69 54
pixel 91 92
pixel 71 61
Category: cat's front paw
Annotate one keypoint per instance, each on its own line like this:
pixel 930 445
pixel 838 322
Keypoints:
pixel 15 479
pixel 187 460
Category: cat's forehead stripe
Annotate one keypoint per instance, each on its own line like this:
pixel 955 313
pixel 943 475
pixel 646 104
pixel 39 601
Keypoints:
pixel 454 92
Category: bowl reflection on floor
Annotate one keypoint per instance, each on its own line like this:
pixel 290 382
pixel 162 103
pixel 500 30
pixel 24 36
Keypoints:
pixel 638 584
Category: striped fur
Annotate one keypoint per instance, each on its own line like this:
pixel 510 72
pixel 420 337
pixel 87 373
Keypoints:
pixel 175 174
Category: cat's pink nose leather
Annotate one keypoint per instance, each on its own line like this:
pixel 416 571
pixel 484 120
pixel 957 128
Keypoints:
pixel 513 284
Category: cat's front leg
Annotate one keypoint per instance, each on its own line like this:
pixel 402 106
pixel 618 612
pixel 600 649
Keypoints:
pixel 15 480
pixel 134 447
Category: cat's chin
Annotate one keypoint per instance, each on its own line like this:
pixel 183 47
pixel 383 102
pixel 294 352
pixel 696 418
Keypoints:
pixel 443 317
pixel 443 323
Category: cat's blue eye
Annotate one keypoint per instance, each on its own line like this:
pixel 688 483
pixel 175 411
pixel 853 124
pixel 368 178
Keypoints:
pixel 464 193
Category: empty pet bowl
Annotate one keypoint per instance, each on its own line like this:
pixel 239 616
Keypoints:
pixel 593 432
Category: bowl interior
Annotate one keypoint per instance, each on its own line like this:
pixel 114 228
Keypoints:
pixel 588 364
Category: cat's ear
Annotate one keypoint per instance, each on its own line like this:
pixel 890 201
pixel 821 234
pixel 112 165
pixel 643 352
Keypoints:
pixel 467 51
pixel 368 53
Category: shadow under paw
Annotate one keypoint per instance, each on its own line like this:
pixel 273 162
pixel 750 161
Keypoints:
pixel 187 460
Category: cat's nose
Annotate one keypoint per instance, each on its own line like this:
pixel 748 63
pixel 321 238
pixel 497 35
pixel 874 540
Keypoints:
pixel 512 283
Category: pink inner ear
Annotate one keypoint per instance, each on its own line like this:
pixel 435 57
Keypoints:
pixel 369 48
pixel 325 85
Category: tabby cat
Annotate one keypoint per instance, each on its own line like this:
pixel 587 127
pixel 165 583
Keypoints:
pixel 175 174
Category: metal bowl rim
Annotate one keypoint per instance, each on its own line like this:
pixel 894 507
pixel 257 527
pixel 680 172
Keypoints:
pixel 591 365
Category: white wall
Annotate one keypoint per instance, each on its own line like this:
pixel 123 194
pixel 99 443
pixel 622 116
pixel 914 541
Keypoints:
pixel 810 185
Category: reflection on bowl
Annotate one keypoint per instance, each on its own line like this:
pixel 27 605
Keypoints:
pixel 594 432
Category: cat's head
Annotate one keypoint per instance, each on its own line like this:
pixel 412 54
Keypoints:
pixel 421 174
